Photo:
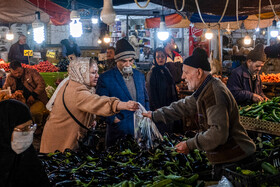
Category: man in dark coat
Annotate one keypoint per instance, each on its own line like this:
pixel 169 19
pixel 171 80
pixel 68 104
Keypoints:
pixel 17 49
pixel 19 163
pixel 125 83
pixel 245 82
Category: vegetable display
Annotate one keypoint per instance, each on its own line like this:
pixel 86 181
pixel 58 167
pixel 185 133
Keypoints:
pixel 267 110
pixel 270 78
pixel 44 66
pixel 126 164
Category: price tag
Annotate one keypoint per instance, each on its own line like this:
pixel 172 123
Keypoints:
pixel 50 54
pixel 37 55
pixel 28 53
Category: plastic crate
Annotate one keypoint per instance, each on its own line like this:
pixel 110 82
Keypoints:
pixel 240 180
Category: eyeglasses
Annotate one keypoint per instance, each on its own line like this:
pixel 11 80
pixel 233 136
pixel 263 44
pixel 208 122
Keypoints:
pixel 31 127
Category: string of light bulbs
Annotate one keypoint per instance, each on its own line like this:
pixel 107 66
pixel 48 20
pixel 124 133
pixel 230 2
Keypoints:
pixel 140 5
pixel 182 8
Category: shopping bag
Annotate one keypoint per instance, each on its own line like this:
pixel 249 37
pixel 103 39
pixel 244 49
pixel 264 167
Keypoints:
pixel 145 130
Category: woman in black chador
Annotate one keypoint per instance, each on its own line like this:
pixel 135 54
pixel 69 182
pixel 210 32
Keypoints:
pixel 19 164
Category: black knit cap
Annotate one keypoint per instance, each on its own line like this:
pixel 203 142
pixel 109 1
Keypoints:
pixel 257 54
pixel 124 50
pixel 199 59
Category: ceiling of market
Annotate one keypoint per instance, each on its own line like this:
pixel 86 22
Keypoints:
pixel 246 7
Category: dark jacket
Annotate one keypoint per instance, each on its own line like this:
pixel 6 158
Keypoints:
pixel 242 87
pixel 31 80
pixel 112 84
pixel 220 133
pixel 162 92
pixel 68 49
pixel 23 169
pixel 161 87
pixel 15 54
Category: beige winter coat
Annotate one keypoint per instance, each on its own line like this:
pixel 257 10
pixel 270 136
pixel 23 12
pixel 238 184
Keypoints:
pixel 61 131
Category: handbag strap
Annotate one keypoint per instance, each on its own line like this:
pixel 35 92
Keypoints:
pixel 74 118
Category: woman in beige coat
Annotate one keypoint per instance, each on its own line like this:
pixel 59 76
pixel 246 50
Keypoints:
pixel 61 131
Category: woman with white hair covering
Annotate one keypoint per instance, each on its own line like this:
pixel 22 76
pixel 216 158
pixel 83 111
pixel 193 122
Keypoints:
pixel 61 131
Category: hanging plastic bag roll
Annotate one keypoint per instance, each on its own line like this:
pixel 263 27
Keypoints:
pixel 145 130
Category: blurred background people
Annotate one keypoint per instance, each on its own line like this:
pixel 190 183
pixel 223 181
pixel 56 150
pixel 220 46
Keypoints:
pixel 16 52
pixel 110 61
pixel 70 47
pixel 161 89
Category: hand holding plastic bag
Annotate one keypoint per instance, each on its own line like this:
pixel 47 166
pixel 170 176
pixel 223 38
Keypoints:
pixel 145 131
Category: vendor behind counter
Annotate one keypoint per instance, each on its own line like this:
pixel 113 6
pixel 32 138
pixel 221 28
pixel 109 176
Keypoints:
pixel 272 52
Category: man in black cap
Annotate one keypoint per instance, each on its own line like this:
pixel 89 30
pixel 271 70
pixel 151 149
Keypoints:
pixel 219 133
pixel 245 82
pixel 125 83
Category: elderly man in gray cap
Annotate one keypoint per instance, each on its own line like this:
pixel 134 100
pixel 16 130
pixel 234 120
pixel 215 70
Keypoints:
pixel 219 133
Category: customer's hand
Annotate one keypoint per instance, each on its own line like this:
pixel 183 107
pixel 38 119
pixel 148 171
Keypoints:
pixel 130 105
pixel 148 114
pixel 182 147
pixel 30 100
pixel 257 98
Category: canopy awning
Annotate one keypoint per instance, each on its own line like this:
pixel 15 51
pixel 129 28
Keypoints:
pixel 23 11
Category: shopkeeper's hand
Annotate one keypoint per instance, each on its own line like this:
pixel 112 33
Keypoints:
pixel 130 105
pixel 148 114
pixel 265 98
pixel 182 147
pixel 30 100
pixel 257 98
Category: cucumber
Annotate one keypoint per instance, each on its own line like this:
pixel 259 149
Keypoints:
pixel 269 168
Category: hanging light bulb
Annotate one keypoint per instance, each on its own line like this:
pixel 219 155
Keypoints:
pixel 107 39
pixel 257 29
pixel 108 13
pixel 10 35
pixel 247 40
pixel 162 34
pixel 99 41
pixel 76 28
pixel 38 29
pixel 274 31
pixel 209 34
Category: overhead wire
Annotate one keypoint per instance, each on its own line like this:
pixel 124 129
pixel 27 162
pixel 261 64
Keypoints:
pixel 199 13
pixel 148 1
pixel 182 7
pixel 273 10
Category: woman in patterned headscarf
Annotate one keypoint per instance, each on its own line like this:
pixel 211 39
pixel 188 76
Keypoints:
pixel 61 131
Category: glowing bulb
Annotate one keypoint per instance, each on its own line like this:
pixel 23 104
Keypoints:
pixel 94 20
pixel 257 29
pixel 99 41
pixel 76 28
pixel 107 39
pixel 9 35
pixel 247 40
pixel 162 33
pixel 274 33
pixel 38 29
pixel 208 34
pixel 278 37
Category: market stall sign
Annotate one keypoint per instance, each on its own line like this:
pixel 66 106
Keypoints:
pixel 37 55
pixel 28 53
pixel 50 54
